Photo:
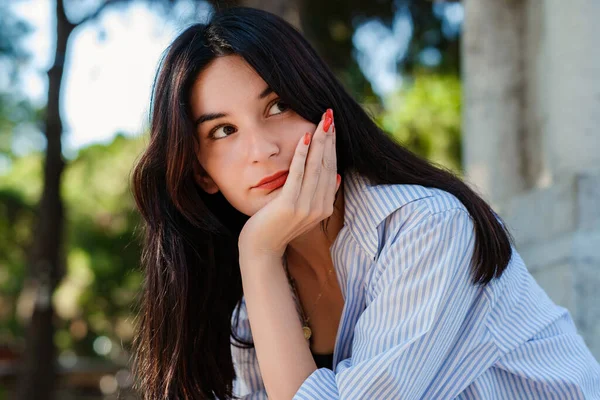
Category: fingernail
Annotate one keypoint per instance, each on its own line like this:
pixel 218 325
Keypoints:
pixel 328 119
pixel 327 122
pixel 339 178
pixel 306 138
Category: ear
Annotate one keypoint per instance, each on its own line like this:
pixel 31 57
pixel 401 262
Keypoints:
pixel 204 180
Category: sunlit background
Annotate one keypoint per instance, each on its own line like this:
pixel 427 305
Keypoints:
pixel 401 59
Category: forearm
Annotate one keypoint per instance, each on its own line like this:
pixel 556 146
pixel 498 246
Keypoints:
pixel 282 351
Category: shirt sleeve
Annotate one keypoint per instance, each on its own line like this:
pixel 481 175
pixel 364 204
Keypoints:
pixel 419 295
pixel 248 384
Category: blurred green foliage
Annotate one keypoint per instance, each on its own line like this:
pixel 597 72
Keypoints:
pixel 425 117
pixel 15 109
pixel 102 279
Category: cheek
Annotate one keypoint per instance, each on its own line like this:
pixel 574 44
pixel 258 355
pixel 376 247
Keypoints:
pixel 215 160
pixel 224 166
pixel 301 128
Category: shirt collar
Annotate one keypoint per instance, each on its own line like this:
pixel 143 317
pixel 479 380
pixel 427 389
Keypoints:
pixel 366 205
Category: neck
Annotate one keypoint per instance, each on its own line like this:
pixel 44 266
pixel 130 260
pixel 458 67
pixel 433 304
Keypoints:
pixel 310 251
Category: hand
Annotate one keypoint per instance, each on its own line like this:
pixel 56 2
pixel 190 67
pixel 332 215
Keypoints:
pixel 305 199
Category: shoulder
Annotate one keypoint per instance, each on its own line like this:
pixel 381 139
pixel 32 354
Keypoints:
pixel 426 222
pixel 372 209
pixel 371 203
pixel 430 239
pixel 433 222
pixel 377 213
pixel 431 206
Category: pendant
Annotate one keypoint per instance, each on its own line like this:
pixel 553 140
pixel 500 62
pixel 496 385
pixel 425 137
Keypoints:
pixel 307 332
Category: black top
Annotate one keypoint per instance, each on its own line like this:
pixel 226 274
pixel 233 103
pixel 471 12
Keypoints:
pixel 323 360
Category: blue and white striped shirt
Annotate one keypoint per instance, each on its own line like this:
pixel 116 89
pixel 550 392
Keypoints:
pixel 413 324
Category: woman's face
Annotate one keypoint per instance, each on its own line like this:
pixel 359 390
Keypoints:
pixel 246 132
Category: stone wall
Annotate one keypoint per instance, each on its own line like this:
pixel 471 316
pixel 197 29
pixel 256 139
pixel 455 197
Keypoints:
pixel 532 138
pixel 557 231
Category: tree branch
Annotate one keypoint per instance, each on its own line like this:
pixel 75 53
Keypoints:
pixel 61 15
pixel 98 11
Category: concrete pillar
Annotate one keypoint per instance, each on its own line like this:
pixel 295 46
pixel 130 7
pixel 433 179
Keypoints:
pixel 538 158
pixel 493 79
pixel 569 59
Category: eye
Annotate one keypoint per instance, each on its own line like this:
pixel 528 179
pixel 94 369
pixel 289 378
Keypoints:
pixel 212 133
pixel 281 105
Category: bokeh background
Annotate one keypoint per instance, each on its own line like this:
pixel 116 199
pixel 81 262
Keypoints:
pixel 506 93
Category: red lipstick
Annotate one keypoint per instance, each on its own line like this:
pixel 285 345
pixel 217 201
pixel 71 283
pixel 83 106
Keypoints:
pixel 273 181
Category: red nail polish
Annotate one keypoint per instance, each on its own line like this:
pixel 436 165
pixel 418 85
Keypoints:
pixel 327 123
pixel 329 113
pixel 306 138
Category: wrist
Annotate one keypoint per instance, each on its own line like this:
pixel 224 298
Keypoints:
pixel 256 258
pixel 249 249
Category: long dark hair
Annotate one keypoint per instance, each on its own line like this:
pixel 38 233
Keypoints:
pixel 192 279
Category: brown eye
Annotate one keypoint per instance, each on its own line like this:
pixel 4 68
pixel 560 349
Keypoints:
pixel 213 133
pixel 282 106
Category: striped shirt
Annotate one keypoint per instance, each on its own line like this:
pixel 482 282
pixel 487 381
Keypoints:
pixel 413 324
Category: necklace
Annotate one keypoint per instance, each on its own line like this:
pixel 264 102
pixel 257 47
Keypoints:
pixel 304 319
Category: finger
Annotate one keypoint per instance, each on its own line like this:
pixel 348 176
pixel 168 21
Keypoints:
pixel 330 164
pixel 313 168
pixel 293 184
pixel 338 175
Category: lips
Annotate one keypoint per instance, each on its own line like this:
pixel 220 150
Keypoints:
pixel 273 181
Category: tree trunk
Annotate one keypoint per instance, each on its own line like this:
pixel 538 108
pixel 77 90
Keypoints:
pixel 38 374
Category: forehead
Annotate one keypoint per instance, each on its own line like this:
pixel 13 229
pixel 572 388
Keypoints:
pixel 225 81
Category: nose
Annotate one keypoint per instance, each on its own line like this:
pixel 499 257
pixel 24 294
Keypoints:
pixel 262 145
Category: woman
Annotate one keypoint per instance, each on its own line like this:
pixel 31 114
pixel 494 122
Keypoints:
pixel 410 290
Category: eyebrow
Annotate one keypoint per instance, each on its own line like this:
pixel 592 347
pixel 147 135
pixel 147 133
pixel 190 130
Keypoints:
pixel 210 116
